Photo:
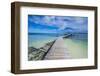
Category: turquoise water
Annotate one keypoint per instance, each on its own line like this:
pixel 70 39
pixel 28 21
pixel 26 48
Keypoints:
pixel 77 48
pixel 76 44
pixel 38 41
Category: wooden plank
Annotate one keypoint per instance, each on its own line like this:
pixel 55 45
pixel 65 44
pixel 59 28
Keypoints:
pixel 58 51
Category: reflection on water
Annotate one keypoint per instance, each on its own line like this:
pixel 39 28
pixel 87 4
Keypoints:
pixel 77 44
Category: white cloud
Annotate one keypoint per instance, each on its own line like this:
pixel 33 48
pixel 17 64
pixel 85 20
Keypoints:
pixel 59 21
pixel 79 20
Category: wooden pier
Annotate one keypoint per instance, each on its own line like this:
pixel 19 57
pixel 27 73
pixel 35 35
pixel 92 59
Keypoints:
pixel 58 51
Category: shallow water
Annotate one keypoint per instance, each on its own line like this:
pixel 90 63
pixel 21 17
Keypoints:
pixel 76 44
pixel 77 48
pixel 38 41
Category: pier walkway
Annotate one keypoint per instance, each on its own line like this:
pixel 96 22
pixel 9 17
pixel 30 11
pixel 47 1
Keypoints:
pixel 58 51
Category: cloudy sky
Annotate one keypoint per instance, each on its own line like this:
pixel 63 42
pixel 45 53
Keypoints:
pixel 55 24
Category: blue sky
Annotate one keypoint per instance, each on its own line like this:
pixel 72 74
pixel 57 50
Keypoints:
pixel 57 24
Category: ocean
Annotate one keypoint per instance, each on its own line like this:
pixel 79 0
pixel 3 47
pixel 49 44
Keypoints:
pixel 77 44
pixel 39 40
